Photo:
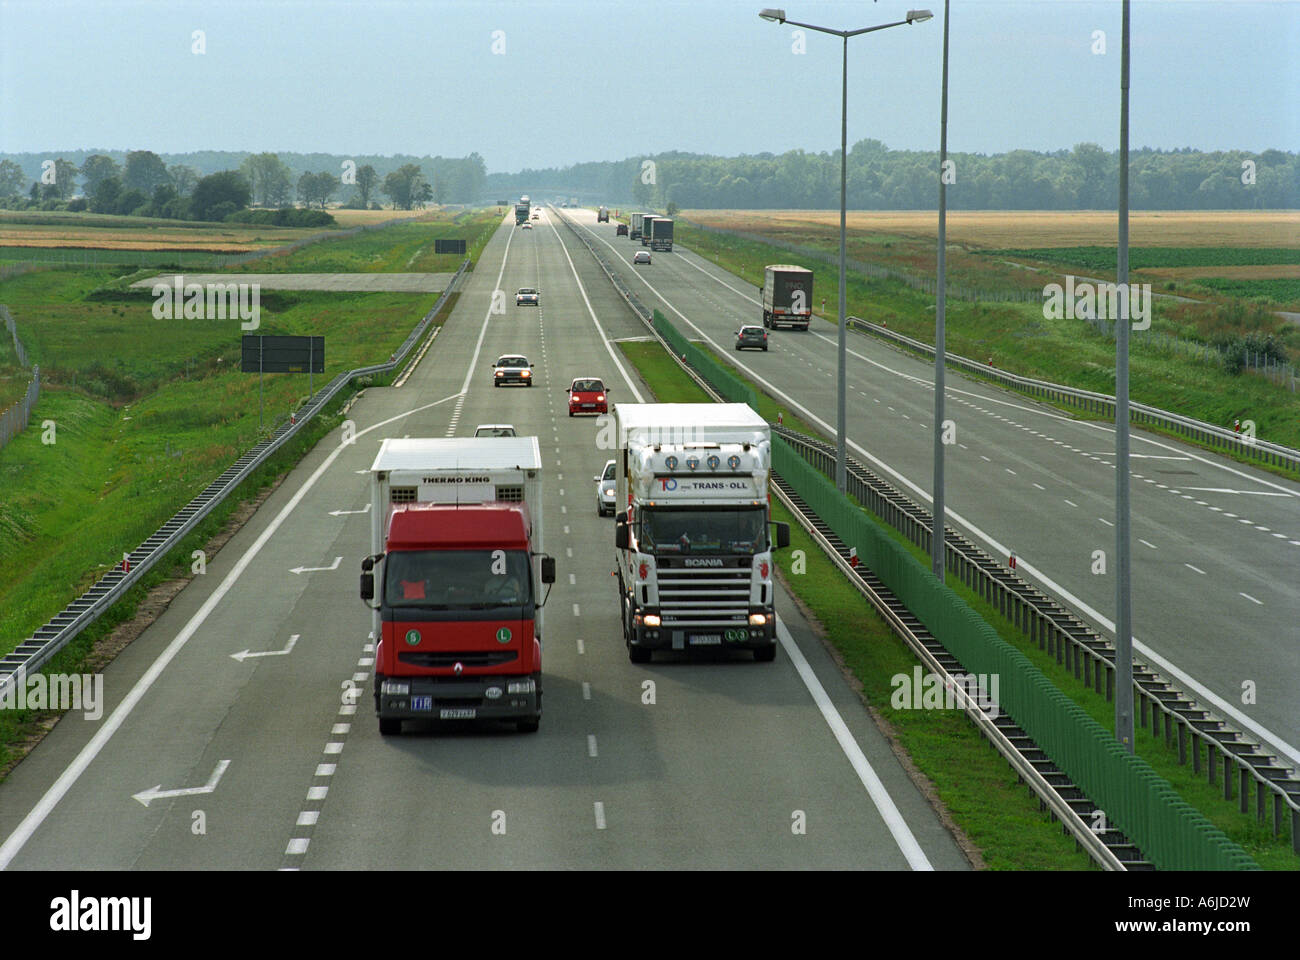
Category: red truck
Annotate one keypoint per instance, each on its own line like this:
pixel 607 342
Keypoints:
pixel 456 537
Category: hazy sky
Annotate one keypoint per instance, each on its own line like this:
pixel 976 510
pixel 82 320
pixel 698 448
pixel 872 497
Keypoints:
pixel 578 80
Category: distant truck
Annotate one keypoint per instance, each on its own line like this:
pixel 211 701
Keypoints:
pixel 787 296
pixel 634 225
pixel 693 555
pixel 521 212
pixel 646 220
pixel 602 215
pixel 456 535
pixel 661 234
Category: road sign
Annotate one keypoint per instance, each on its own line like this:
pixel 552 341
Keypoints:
pixel 449 246
pixel 264 354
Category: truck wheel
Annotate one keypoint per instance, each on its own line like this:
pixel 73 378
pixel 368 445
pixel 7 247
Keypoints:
pixel 765 654
pixel 639 654
pixel 528 726
pixel 390 726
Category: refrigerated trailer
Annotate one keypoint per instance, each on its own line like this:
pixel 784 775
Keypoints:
pixel 454 578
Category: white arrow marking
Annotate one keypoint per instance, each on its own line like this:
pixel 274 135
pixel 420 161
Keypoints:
pixel 344 513
pixel 156 792
pixel 243 655
pixel 333 566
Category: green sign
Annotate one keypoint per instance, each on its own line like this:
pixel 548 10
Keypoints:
pixel 413 637
pixel 503 635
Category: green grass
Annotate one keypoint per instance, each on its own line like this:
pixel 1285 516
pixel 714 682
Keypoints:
pixel 1277 291
pixel 1140 258
pixel 402 248
pixel 189 258
pixel 15 725
pixel 1269 852
pixel 1021 340
pixel 998 814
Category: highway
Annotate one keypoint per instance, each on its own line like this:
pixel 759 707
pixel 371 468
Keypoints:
pixel 239 730
pixel 1216 544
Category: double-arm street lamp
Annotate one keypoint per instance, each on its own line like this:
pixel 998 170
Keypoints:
pixel 778 16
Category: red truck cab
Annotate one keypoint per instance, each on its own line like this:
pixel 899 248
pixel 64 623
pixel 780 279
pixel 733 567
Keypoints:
pixel 458 608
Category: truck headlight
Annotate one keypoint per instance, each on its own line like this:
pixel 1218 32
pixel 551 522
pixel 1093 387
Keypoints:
pixel 651 620
pixel 757 619
pixel 520 686
pixel 397 688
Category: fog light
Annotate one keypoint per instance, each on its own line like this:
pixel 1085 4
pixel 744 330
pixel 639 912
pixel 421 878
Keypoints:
pixel 651 620
pixel 757 619
pixel 520 686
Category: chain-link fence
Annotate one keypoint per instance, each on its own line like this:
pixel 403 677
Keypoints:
pixel 14 419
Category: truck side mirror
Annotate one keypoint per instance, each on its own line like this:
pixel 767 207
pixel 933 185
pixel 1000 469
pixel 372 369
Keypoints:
pixel 782 535
pixel 548 569
pixel 367 586
pixel 620 533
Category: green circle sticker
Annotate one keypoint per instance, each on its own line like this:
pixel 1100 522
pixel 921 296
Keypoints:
pixel 413 637
pixel 503 635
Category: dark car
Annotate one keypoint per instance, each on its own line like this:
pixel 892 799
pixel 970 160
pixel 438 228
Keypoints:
pixel 512 368
pixel 749 336
pixel 587 395
pixel 621 231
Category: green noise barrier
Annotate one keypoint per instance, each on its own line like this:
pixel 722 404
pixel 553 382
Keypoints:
pixel 1170 832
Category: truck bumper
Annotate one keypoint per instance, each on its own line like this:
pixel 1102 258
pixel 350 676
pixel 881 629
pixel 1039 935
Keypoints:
pixel 713 638
pixel 458 698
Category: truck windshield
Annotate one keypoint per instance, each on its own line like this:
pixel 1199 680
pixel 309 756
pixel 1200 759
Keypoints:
pixel 706 530
pixel 458 579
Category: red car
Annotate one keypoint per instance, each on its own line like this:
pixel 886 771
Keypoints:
pixel 587 395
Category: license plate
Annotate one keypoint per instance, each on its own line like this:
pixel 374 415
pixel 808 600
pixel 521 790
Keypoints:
pixel 422 703
pixel 457 713
pixel 706 639
pixel 588 406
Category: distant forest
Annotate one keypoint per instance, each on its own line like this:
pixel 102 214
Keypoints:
pixel 1085 178
pixel 878 178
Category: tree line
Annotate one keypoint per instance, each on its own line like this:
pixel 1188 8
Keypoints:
pixel 125 182
pixel 1083 178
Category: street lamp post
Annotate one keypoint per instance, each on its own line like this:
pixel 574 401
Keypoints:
pixel 778 16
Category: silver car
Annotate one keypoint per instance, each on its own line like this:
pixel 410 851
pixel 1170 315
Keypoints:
pixel 605 490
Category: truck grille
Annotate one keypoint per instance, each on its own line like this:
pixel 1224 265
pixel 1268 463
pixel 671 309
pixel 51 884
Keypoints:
pixel 470 658
pixel 703 597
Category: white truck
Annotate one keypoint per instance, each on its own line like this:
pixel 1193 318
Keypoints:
pixel 693 551
pixel 456 535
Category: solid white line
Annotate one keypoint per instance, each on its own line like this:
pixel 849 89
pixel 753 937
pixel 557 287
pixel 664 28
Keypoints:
pixel 1252 599
pixel 1197 569
pixel 884 803
pixel 591 744
pixel 609 347
pixel 36 816
pixel 1001 549
pixel 600 814
pixel 1252 493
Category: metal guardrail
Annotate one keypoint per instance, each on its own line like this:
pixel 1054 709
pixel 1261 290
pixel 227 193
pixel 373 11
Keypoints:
pixel 1110 849
pixel 33 653
pixel 1100 403
pixel 1077 647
